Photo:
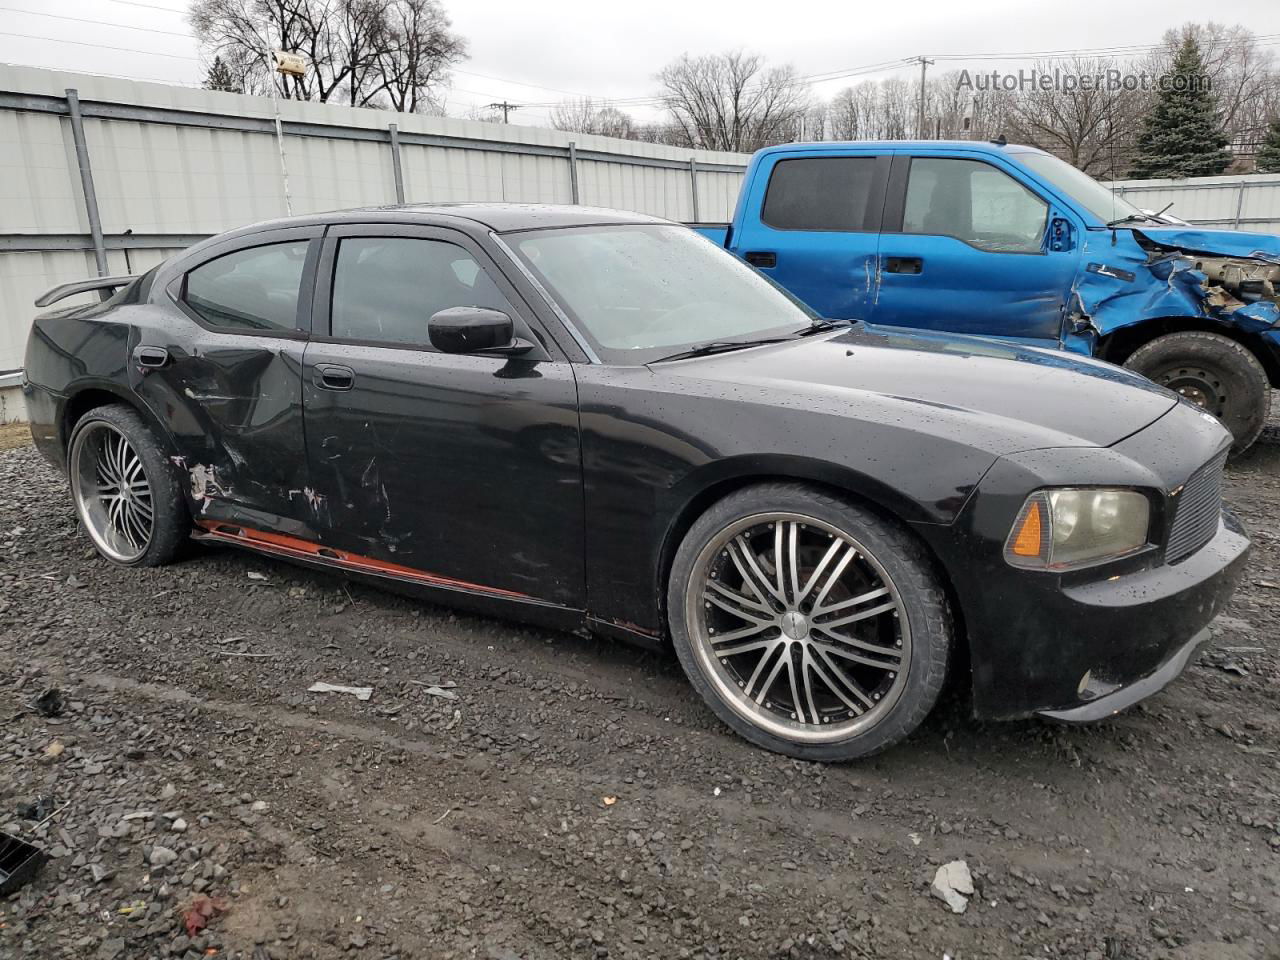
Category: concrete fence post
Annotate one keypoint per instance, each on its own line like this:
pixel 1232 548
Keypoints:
pixel 396 170
pixel 86 184
pixel 573 171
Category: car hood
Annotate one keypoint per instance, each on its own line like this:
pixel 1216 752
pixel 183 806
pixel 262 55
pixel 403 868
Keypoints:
pixel 1227 243
pixel 992 394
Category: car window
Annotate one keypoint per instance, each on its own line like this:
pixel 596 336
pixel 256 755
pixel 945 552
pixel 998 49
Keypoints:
pixel 973 202
pixel 386 288
pixel 252 289
pixel 819 193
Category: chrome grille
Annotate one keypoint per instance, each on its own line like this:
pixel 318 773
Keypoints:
pixel 1196 511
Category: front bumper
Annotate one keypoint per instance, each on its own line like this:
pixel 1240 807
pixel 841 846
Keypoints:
pixel 1109 703
pixel 1081 649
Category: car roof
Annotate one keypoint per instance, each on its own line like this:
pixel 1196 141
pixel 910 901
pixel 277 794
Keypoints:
pixel 499 217
pixel 975 146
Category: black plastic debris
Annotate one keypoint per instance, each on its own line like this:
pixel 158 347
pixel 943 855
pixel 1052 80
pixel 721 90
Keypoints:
pixel 40 808
pixel 19 862
pixel 51 703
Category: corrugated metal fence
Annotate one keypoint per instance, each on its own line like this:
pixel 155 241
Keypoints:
pixel 161 167
pixel 1250 202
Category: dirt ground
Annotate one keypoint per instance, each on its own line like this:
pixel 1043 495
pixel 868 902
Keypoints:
pixel 570 797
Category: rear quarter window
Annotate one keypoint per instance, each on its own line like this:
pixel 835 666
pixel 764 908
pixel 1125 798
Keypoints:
pixel 251 289
pixel 820 193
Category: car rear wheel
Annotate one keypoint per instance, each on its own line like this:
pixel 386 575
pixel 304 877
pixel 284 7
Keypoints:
pixel 1214 372
pixel 810 625
pixel 125 490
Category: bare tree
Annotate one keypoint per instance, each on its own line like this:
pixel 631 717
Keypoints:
pixel 1090 125
pixel 586 116
pixel 732 101
pixel 420 48
pixel 364 52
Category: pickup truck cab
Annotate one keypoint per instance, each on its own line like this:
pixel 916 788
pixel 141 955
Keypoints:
pixel 1011 242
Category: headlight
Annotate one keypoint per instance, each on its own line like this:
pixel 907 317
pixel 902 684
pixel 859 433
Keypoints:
pixel 1061 529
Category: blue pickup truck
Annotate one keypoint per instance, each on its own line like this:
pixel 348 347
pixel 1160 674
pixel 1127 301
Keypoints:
pixel 1011 242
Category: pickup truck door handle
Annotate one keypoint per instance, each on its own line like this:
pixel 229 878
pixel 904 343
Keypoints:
pixel 759 258
pixel 152 357
pixel 908 265
pixel 333 376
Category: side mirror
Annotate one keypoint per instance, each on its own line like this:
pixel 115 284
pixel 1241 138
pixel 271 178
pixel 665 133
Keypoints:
pixel 1060 234
pixel 474 330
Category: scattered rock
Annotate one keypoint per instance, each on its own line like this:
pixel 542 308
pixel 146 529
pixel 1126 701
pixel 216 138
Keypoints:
pixel 953 885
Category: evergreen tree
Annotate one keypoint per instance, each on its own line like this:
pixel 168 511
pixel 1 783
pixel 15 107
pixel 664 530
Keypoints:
pixel 1181 134
pixel 1269 154
pixel 220 77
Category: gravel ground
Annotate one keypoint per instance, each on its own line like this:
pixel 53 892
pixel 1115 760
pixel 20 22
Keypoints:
pixel 569 797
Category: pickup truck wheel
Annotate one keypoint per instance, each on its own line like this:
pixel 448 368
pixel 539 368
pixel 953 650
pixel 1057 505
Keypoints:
pixel 125 490
pixel 1215 373
pixel 811 626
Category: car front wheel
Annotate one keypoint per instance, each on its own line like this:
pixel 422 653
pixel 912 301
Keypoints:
pixel 810 625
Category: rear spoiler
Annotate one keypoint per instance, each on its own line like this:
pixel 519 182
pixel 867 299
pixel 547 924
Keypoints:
pixel 64 290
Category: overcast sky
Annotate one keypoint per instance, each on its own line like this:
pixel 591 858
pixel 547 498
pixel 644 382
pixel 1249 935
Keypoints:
pixel 538 53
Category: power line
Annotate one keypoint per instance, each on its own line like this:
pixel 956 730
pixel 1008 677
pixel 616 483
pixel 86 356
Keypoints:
pixel 99 23
pixel 149 6
pixel 100 46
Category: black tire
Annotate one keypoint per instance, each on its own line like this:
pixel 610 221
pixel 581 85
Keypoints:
pixel 170 527
pixel 900 562
pixel 1216 373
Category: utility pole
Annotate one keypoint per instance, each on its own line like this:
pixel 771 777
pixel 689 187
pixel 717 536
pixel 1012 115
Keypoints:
pixel 925 63
pixel 505 107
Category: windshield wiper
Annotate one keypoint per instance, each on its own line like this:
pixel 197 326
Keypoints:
pixel 822 325
pixel 719 346
pixel 1132 218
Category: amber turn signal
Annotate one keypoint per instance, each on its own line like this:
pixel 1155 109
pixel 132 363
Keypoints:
pixel 1028 539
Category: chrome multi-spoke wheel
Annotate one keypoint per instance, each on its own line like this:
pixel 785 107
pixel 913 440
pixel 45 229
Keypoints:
pixel 112 491
pixel 810 624
pixel 799 626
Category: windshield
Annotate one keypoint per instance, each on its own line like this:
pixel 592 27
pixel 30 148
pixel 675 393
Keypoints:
pixel 639 292
pixel 1103 203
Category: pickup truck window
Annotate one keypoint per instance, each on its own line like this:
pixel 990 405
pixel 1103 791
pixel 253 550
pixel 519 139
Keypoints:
pixel 973 202
pixel 1104 204
pixel 819 193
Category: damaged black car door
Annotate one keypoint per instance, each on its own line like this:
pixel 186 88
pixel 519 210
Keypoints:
pixel 462 467
pixel 228 387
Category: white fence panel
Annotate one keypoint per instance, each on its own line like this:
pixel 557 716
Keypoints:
pixel 1250 203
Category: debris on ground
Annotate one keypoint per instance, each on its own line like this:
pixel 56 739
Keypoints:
pixel 37 809
pixel 360 693
pixel 953 885
pixel 201 910
pixel 19 862
pixel 437 688
pixel 51 703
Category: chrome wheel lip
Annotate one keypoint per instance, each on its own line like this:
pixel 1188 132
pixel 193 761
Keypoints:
pixel 112 492
pixel 726 684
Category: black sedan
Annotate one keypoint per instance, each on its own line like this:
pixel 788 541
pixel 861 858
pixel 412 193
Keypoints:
pixel 599 420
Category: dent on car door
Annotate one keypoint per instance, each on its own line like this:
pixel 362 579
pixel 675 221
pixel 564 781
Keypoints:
pixel 462 470
pixel 818 230
pixel 223 371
